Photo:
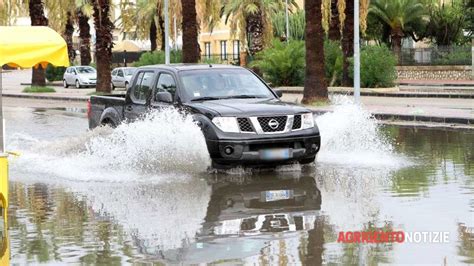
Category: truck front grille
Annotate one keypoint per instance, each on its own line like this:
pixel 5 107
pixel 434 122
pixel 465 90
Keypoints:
pixel 244 124
pixel 297 122
pixel 273 124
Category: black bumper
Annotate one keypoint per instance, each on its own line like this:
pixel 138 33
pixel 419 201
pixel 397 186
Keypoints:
pixel 249 151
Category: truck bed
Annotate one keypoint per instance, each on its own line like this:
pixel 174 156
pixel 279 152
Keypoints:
pixel 101 106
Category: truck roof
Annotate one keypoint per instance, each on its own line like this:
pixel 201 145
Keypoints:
pixel 179 67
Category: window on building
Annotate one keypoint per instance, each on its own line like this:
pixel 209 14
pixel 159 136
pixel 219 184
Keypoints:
pixel 223 50
pixel 207 50
pixel 236 50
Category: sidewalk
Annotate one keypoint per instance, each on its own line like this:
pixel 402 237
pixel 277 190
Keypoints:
pixel 434 110
pixel 12 87
pixel 458 83
pixel 394 105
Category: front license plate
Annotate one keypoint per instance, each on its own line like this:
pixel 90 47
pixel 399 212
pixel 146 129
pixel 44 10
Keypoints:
pixel 274 195
pixel 275 154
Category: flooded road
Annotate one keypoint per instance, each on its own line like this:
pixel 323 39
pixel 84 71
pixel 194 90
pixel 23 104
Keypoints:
pixel 123 196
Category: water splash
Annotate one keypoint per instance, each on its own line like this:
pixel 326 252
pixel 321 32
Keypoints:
pixel 350 135
pixel 161 142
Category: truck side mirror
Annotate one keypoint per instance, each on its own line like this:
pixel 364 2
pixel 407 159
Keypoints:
pixel 279 93
pixel 164 96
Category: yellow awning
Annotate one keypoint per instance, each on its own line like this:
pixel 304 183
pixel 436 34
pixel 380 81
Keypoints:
pixel 27 46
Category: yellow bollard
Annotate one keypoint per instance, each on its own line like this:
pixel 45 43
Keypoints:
pixel 4 242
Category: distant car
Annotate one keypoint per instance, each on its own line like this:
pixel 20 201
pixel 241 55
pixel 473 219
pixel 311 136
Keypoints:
pixel 80 76
pixel 121 76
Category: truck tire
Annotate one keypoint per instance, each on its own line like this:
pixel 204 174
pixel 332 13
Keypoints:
pixel 307 160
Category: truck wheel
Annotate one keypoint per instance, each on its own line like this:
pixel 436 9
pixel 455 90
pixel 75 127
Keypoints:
pixel 307 160
pixel 65 84
pixel 78 85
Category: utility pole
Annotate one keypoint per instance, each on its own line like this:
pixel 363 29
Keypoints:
pixel 167 33
pixel 356 53
pixel 287 22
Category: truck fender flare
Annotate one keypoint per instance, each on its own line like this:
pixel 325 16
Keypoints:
pixel 206 125
pixel 110 116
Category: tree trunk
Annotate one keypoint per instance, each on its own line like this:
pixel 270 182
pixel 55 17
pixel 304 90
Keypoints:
pixel 85 38
pixel 161 24
pixel 190 32
pixel 255 28
pixel 315 86
pixel 315 247
pixel 153 35
pixel 347 43
pixel 334 33
pixel 68 31
pixel 397 36
pixel 104 44
pixel 38 18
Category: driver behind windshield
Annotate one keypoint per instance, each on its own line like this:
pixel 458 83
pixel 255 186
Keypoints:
pixel 224 84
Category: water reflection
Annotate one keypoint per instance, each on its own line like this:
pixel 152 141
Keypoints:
pixel 262 218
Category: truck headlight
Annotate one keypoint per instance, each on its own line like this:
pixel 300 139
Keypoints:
pixel 226 123
pixel 307 121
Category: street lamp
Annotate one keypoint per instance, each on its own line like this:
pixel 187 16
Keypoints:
pixel 167 34
pixel 287 22
pixel 356 53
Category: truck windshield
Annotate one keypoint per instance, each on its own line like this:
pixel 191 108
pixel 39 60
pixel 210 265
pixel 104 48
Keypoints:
pixel 223 84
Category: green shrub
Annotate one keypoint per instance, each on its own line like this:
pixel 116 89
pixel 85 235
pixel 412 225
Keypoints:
pixel 377 67
pixel 282 64
pixel 456 55
pixel 333 62
pixel 53 73
pixel 38 89
pixel 158 57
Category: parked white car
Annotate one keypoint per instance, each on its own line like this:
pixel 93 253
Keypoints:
pixel 121 76
pixel 80 76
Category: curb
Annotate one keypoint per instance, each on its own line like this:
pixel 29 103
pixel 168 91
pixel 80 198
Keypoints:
pixel 436 84
pixel 379 116
pixel 398 94
pixel 415 118
pixel 44 97
pixel 47 84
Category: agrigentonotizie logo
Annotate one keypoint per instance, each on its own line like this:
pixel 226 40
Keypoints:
pixel 392 237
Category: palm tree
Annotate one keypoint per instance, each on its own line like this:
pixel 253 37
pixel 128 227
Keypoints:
pixel 104 43
pixel 68 32
pixel 84 37
pixel 191 51
pixel 347 42
pixel 141 18
pixel 334 32
pixel 253 20
pixel 36 9
pixel 10 10
pixel 399 15
pixel 315 86
pixel 83 11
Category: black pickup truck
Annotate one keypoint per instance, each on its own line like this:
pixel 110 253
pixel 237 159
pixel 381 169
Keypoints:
pixel 242 118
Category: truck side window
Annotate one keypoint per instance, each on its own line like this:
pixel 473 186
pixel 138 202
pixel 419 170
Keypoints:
pixel 145 86
pixel 166 83
pixel 136 87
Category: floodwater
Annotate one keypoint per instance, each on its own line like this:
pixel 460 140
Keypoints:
pixel 143 193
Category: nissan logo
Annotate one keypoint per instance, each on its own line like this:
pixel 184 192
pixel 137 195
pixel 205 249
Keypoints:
pixel 273 124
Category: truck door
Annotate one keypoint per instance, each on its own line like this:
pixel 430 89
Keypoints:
pixel 141 89
pixel 166 83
